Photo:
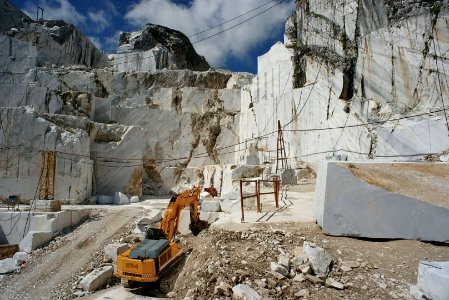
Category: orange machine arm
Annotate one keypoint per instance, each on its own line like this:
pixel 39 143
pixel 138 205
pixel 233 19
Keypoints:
pixel 170 222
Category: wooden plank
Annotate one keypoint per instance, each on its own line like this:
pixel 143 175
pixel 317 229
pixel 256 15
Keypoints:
pixel 8 251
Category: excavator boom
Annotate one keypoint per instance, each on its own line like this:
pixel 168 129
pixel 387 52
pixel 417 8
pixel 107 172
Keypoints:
pixel 170 222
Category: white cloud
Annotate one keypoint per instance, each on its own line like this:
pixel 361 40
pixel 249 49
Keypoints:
pixel 99 19
pixel 102 19
pixel 203 14
pixel 55 10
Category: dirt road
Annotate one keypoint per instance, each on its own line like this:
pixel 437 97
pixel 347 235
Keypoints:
pixel 53 271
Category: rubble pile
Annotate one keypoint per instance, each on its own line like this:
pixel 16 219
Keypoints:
pixel 292 261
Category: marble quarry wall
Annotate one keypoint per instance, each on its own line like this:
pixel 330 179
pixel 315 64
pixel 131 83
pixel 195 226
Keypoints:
pixel 345 67
pixel 153 117
pixel 23 134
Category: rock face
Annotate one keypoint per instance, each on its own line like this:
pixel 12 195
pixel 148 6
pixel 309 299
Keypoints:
pixel 46 43
pixel 170 49
pixel 152 121
pixel 11 16
pixel 25 133
pixel 351 65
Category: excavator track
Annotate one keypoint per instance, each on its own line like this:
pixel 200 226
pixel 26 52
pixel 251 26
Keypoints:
pixel 168 278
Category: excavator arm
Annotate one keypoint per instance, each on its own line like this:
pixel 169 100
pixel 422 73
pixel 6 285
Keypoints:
pixel 170 222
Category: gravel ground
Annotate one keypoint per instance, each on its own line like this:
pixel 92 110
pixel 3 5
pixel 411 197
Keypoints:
pixel 227 255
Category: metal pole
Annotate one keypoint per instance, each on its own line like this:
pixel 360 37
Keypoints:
pixel 241 201
pixel 258 195
pixel 276 192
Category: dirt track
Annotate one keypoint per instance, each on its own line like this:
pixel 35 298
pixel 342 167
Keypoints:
pixel 53 270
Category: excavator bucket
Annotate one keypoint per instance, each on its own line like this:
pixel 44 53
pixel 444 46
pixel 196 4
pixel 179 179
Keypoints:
pixel 197 227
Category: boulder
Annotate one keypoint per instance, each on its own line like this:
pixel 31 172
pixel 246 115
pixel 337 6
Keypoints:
pixel 244 292
pixel 134 199
pixel 330 282
pixel 102 199
pixel 111 251
pixel 8 265
pixel 184 222
pixel 313 279
pixel 223 289
pixel 35 239
pixel 319 258
pixel 297 261
pixel 246 171
pixel 299 278
pixel 155 215
pixel 383 200
pixel 433 278
pixel 120 199
pixel 205 196
pixel 230 206
pixel 211 206
pixel 278 268
pixel 97 279
pixel 284 261
pixel 20 257
pixel 210 217
pixel 302 293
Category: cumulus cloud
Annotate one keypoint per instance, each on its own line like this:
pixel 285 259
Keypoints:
pixel 103 18
pixel 203 14
pixel 55 10
pixel 99 19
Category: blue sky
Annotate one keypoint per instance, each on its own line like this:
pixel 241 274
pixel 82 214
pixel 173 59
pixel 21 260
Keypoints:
pixel 236 49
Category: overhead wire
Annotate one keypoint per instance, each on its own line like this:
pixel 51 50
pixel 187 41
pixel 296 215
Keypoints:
pixel 240 23
pixel 441 88
pixel 230 20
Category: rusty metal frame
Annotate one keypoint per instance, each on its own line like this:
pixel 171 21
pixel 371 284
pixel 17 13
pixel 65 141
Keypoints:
pixel 275 191
pixel 257 194
pixel 248 196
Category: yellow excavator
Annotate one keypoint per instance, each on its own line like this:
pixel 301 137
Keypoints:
pixel 156 257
